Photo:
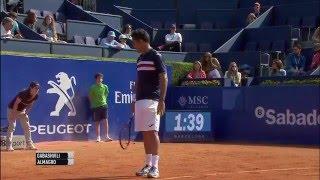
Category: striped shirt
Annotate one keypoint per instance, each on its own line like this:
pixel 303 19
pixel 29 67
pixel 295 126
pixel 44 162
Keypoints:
pixel 149 66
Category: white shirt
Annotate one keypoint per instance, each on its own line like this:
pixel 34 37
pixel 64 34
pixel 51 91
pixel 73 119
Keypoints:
pixel 173 37
pixel 106 43
pixel 214 74
pixel 5 34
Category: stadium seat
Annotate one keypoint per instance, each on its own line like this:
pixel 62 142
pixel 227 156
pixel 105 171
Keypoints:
pixel 190 47
pixel 59 29
pixel 206 25
pixel 222 24
pixel 60 17
pixel 78 39
pixel 188 26
pixel 295 33
pixel 251 46
pixel 156 24
pixel 279 46
pixel 294 21
pixel 90 41
pixel 205 47
pixel 45 13
pixel 264 46
pixel 37 12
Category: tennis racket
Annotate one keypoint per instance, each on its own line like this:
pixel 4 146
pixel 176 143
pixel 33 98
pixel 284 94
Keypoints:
pixel 126 134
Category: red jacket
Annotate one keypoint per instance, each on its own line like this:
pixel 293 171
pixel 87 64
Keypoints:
pixel 315 61
pixel 197 75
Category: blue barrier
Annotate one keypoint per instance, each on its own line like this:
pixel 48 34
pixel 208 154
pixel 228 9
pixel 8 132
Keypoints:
pixel 286 115
pixel 17 72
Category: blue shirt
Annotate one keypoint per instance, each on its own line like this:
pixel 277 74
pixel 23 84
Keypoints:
pixel 149 66
pixel 295 61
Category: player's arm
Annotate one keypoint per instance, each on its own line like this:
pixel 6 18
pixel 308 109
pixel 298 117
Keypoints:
pixel 163 78
pixel 134 96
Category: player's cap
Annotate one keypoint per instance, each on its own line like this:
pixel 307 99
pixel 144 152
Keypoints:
pixel 112 34
pixel 257 4
pixel 34 84
pixel 122 36
pixel 173 26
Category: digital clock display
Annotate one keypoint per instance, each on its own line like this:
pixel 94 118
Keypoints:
pixel 191 121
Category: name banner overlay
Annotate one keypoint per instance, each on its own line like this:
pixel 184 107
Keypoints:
pixel 54 158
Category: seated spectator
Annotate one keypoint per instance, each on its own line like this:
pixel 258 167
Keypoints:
pixel 216 69
pixel 6 28
pixel 197 72
pixel 110 41
pixel 48 29
pixel 296 61
pixel 277 68
pixel 127 31
pixel 15 28
pixel 233 74
pixel 251 18
pixel 255 14
pixel 123 42
pixel 315 62
pixel 31 21
pixel 210 66
pixel 173 41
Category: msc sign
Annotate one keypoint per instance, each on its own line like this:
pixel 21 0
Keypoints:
pixel 194 101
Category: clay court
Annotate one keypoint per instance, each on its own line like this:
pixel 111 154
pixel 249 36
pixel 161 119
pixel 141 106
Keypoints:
pixel 178 161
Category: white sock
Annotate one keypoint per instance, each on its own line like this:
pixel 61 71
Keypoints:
pixel 149 159
pixel 155 160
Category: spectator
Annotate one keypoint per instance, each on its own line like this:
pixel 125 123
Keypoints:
pixel 296 61
pixel 48 29
pixel 123 42
pixel 197 72
pixel 251 18
pixel 233 74
pixel 6 28
pixel 257 9
pixel 255 14
pixel 277 68
pixel 31 21
pixel 173 41
pixel 210 65
pixel 216 69
pixel 127 31
pixel 110 41
pixel 15 28
pixel 315 61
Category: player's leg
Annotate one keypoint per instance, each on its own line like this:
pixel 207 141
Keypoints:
pixel 104 115
pixel 153 137
pixel 11 128
pixel 24 119
pixel 96 120
pixel 139 123
pixel 153 144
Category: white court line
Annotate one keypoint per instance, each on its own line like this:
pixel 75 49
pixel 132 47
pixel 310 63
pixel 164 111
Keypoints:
pixel 262 170
pixel 180 177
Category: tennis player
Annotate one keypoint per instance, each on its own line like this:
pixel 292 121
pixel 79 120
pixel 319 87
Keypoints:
pixel 151 88
pixel 18 108
pixel 98 96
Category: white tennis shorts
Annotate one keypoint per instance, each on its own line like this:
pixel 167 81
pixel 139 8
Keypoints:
pixel 146 118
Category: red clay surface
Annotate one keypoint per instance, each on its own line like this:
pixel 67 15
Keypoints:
pixel 104 161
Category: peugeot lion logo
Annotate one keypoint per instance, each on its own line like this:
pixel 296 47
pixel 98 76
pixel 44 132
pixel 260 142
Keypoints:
pixel 64 83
